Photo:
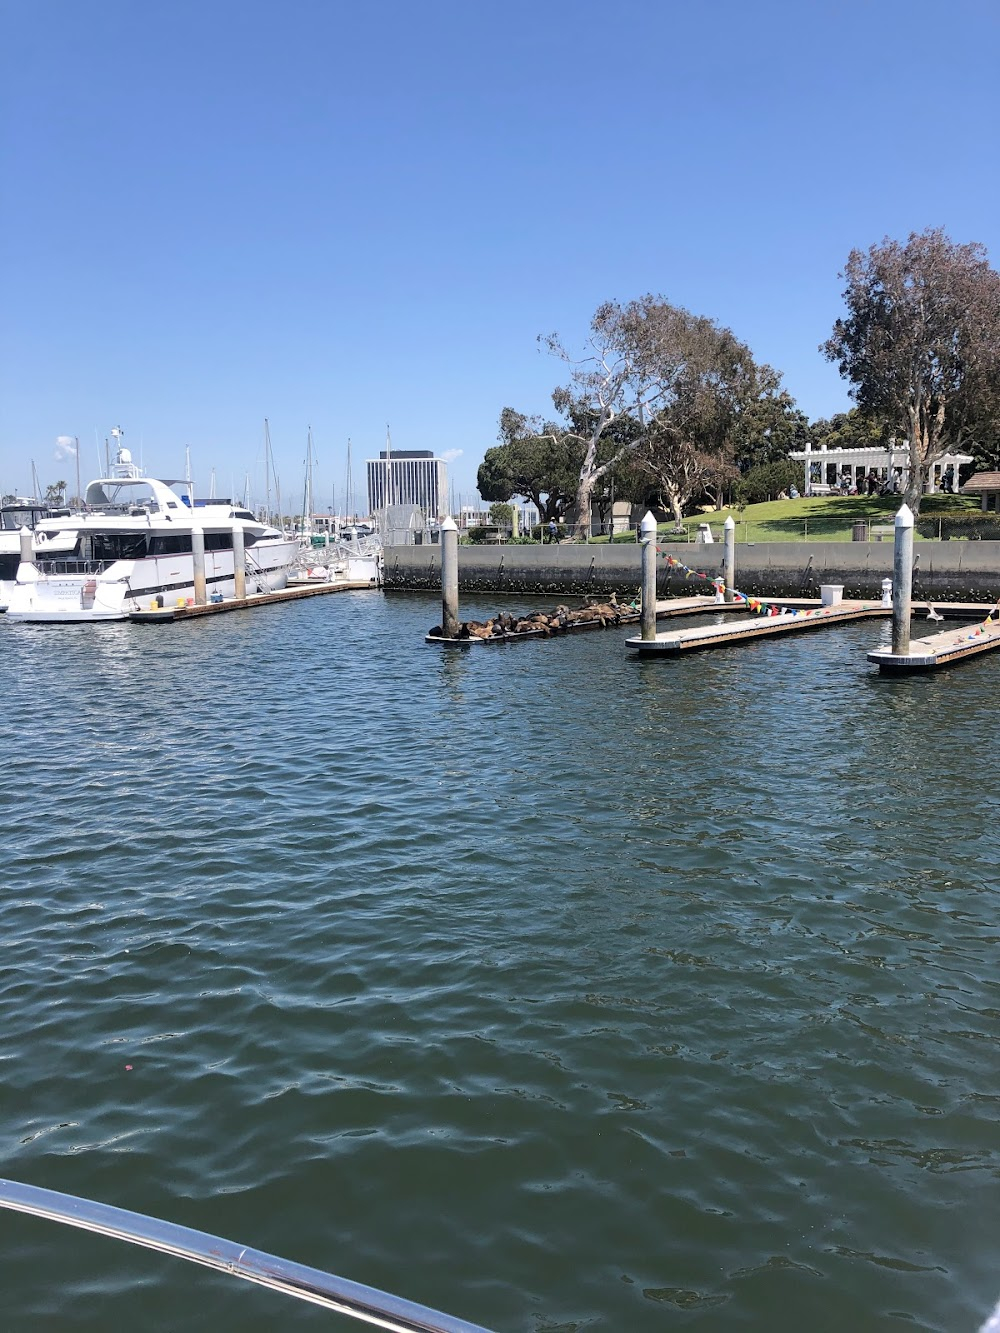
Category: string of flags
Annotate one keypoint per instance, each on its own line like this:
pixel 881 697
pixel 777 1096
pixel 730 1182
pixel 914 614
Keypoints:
pixel 981 629
pixel 759 605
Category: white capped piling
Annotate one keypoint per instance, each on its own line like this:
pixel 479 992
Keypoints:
pixel 647 540
pixel 902 582
pixel 198 561
pixel 449 579
pixel 729 558
pixel 239 563
pixel 27 553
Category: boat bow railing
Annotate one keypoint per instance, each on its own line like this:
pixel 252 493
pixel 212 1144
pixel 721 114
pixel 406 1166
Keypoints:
pixel 367 1304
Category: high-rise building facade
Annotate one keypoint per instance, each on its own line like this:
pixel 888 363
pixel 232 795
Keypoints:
pixel 407 477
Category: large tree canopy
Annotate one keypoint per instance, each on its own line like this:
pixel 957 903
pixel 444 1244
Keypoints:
pixel 534 458
pixel 672 389
pixel 921 343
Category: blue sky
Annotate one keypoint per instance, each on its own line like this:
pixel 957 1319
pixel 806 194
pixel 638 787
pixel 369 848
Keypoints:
pixel 340 216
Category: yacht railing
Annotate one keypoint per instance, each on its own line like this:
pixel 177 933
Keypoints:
pixel 267 1270
pixel 73 566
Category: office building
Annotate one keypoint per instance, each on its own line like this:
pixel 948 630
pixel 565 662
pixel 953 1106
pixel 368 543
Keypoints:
pixel 407 477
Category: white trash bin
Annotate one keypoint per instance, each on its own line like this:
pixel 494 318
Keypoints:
pixel 831 594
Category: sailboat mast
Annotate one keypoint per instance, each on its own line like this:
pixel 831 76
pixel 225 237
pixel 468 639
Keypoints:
pixel 348 489
pixel 267 469
pixel 307 495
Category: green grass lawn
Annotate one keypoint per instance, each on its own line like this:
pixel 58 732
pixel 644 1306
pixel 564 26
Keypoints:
pixel 822 517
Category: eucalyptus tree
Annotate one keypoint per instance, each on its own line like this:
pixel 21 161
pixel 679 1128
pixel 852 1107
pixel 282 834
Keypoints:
pixel 920 343
pixel 671 388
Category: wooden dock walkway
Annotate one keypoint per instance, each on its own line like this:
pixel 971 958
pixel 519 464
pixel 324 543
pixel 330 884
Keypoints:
pixel 802 615
pixel 161 615
pixel 941 649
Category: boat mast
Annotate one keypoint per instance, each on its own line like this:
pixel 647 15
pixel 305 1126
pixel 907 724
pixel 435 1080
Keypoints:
pixel 79 497
pixel 348 493
pixel 187 475
pixel 267 470
pixel 307 494
pixel 388 483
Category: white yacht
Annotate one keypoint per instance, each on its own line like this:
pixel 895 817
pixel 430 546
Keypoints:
pixel 14 516
pixel 130 549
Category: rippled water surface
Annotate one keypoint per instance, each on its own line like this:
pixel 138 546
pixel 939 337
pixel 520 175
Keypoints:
pixel 556 989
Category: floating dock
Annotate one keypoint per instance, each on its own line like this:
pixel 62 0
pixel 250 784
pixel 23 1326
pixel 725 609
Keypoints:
pixel 938 650
pixel 811 616
pixel 162 614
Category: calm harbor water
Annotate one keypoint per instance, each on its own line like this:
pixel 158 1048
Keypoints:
pixel 553 988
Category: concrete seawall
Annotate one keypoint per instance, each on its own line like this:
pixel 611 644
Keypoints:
pixel 956 571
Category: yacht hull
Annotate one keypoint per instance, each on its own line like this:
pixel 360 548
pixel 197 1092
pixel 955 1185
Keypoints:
pixel 47 594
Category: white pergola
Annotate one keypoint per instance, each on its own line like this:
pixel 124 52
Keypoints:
pixel 825 468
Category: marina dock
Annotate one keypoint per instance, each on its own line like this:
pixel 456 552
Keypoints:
pixel 806 615
pixel 937 650
pixel 160 615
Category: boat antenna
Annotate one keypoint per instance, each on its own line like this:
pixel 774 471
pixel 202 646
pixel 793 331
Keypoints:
pixel 76 448
pixel 187 475
pixel 36 484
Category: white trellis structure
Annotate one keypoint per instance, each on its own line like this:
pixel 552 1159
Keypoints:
pixel 827 470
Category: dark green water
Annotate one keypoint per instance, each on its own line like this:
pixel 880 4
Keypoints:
pixel 553 988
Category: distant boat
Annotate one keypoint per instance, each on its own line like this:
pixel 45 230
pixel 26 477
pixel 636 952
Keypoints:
pixel 355 556
pixel 131 548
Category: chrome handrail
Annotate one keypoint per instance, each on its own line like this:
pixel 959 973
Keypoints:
pixel 200 1247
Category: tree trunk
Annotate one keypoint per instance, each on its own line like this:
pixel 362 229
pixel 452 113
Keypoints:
pixel 918 471
pixel 584 492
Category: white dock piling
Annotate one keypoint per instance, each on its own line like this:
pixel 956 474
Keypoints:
pixel 449 579
pixel 647 539
pixel 198 561
pixel 239 563
pixel 27 554
pixel 902 581
pixel 729 557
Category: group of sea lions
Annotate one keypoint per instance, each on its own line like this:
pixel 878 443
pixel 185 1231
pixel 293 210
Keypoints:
pixel 503 626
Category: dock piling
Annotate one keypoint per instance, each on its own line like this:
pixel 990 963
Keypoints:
pixel 647 539
pixel 27 554
pixel 449 579
pixel 198 561
pixel 239 563
pixel 902 581
pixel 729 558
